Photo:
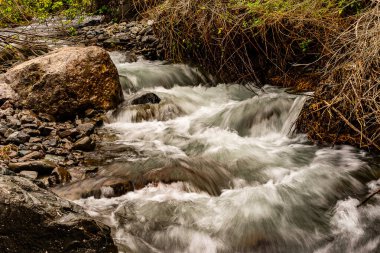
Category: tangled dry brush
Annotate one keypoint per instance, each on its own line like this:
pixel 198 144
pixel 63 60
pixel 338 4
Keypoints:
pixel 346 106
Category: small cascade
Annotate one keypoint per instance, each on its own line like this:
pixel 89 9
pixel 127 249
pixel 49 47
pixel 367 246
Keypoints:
pixel 147 74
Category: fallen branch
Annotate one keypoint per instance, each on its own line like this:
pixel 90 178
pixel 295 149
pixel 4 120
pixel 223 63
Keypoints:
pixel 353 127
pixel 368 198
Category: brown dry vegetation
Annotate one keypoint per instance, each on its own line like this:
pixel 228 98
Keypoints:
pixel 249 40
pixel 346 106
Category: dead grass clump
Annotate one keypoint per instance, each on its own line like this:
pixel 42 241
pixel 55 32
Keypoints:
pixel 346 107
pixel 5 151
pixel 247 40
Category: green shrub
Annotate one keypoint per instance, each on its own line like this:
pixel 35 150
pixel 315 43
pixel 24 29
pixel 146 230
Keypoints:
pixel 15 12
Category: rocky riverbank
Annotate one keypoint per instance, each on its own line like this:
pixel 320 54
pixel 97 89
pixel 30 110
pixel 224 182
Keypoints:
pixel 135 37
pixel 39 147
pixel 50 108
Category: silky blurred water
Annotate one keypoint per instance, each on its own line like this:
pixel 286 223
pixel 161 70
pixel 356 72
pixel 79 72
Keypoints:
pixel 253 184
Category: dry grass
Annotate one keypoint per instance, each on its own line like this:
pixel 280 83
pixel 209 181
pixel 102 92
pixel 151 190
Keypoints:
pixel 5 151
pixel 346 107
pixel 246 40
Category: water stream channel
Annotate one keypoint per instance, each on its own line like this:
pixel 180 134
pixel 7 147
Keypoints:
pixel 252 184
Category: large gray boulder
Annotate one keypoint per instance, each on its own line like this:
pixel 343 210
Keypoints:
pixel 67 81
pixel 33 219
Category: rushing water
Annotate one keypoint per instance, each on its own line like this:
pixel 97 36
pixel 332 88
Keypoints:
pixel 237 178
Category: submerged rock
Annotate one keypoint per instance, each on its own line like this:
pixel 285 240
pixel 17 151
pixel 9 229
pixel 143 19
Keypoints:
pixel 35 220
pixel 146 98
pixel 121 177
pixel 147 112
pixel 67 82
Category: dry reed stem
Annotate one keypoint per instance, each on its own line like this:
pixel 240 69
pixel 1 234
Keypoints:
pixel 351 87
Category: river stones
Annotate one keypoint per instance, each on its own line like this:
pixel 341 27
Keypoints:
pixel 40 166
pixel 67 82
pixel 34 219
pixel 86 144
pixel 86 128
pixel 18 137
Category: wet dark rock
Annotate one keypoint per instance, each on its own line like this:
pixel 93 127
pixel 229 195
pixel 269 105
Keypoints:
pixel 91 172
pixel 35 220
pixel 18 138
pixel 146 98
pixel 109 152
pixel 163 111
pixel 67 82
pixel 85 144
pixel 40 166
pixel 111 188
pixel 45 130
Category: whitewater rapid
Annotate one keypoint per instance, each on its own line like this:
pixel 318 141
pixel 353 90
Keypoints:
pixel 241 179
